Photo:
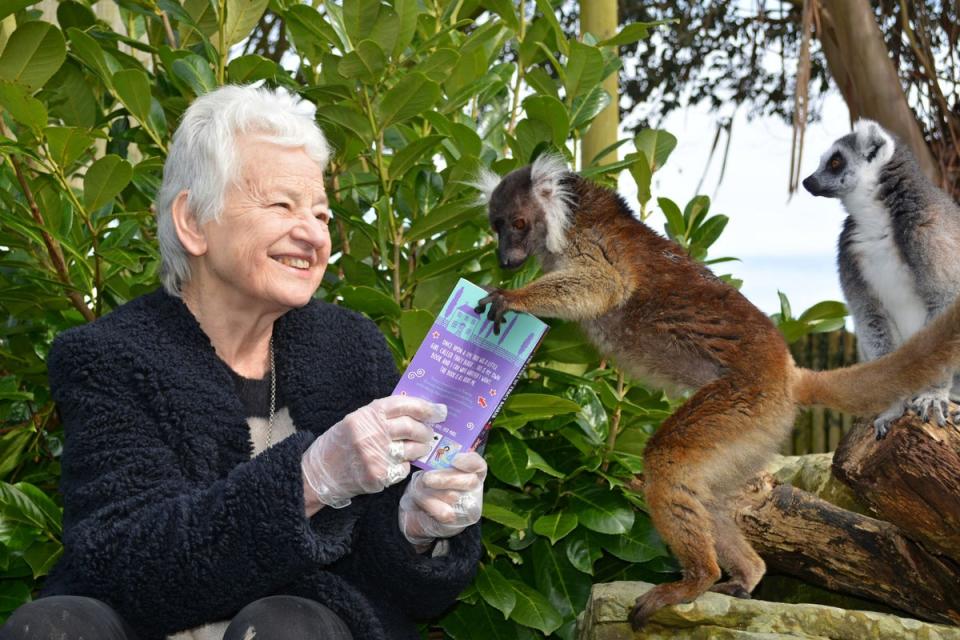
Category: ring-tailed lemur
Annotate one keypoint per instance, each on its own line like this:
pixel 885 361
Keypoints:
pixel 897 254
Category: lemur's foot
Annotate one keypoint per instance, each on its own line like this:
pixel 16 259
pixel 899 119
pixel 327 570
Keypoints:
pixel 731 588
pixel 933 405
pixel 882 423
pixel 498 306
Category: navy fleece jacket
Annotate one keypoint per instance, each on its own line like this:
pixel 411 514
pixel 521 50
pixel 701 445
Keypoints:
pixel 169 520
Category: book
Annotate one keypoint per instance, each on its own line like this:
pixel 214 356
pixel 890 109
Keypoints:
pixel 466 366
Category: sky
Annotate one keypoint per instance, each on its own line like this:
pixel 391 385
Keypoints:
pixel 786 244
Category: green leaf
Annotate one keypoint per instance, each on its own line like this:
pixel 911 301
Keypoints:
pixel 359 16
pixel 90 53
pixel 13 593
pixel 16 506
pixel 640 170
pixel 370 301
pixel 551 111
pixel 42 501
pixel 496 590
pixel 67 144
pixel 586 108
pixel 414 325
pixel 507 457
pixel 411 96
pixel 72 98
pixel 439 64
pixel 196 72
pixel 9 7
pixel 499 505
pixel 708 232
pixel 565 343
pixel 566 588
pixel 407 12
pixel 366 62
pixel 42 556
pixel 506 10
pixel 584 68
pixel 133 88
pixel 826 310
pixel 536 461
pixel 582 550
pixel 540 403
pixel 640 544
pixel 656 145
pixel 104 180
pixel 470 621
pixel 33 54
pixel 443 218
pixel 23 108
pixel 448 264
pixel 347 117
pixel 250 68
pixel 555 526
pixel 602 510
pixel 534 610
pixel 675 227
pixel 785 311
pixel 631 33
pixel 242 17
pixel 694 212
pixel 309 29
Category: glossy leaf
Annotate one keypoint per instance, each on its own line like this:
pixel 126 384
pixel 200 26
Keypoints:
pixel 583 70
pixel 507 457
pixel 469 621
pixel 566 588
pixel 582 550
pixel 23 108
pixel 370 301
pixel 67 144
pixel 501 506
pixel 242 16
pixel 496 590
pixel 555 526
pixel 534 610
pixel 32 55
pixel 602 510
pixel 104 180
pixel 411 96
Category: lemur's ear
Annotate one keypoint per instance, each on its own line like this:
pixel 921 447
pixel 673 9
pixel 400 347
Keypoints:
pixel 552 192
pixel 872 140
pixel 485 183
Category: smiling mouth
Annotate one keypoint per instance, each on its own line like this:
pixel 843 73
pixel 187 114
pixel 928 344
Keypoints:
pixel 296 263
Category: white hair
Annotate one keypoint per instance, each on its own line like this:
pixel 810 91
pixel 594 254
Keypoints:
pixel 203 158
pixel 546 174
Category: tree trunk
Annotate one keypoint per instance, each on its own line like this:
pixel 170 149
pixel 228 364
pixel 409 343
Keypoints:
pixel 860 64
pixel 599 17
pixel 804 536
pixel 909 478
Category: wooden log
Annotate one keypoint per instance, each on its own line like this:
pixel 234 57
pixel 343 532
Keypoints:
pixel 910 478
pixel 801 535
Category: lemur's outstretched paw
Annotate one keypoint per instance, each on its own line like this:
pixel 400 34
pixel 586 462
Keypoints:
pixel 731 588
pixel 931 405
pixel 498 306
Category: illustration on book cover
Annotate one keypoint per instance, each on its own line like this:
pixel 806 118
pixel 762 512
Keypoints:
pixel 465 365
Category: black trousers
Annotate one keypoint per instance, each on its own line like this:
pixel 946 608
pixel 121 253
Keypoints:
pixel 79 618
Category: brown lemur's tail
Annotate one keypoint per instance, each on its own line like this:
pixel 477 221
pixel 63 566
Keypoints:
pixel 865 389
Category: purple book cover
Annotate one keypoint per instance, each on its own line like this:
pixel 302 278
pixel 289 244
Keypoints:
pixel 467 367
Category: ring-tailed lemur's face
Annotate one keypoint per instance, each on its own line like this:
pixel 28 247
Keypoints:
pixel 852 162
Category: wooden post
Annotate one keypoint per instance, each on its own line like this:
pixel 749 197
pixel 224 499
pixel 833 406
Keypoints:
pixel 599 17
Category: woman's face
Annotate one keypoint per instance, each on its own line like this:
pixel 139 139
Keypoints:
pixel 271 244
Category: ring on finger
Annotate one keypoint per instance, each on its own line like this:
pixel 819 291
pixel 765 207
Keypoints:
pixel 464 504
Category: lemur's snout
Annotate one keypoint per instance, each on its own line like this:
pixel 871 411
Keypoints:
pixel 811 184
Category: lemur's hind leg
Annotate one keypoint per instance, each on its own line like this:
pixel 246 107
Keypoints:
pixel 708 448
pixel 742 564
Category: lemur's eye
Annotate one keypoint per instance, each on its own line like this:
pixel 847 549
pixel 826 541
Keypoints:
pixel 835 163
pixel 519 224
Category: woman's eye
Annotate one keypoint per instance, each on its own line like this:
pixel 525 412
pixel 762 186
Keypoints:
pixel 323 217
pixel 282 205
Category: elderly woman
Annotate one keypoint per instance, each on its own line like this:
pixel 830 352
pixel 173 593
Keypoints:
pixel 233 466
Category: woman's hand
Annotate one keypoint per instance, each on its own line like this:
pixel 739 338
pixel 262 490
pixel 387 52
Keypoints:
pixel 368 450
pixel 443 502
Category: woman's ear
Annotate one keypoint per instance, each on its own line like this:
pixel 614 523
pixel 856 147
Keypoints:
pixel 188 230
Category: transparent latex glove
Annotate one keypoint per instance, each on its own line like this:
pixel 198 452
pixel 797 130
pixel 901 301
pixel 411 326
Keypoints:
pixel 443 502
pixel 370 449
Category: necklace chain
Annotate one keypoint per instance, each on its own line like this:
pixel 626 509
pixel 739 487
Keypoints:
pixel 273 396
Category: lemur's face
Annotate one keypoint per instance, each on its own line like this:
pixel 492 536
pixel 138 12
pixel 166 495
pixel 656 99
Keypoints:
pixel 851 162
pixel 517 219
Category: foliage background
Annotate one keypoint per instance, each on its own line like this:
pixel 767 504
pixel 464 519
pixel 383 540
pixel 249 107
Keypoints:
pixel 415 96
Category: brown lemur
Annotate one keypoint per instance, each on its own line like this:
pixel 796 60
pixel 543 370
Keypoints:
pixel 666 318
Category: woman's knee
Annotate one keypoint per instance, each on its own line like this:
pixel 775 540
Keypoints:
pixel 281 617
pixel 65 617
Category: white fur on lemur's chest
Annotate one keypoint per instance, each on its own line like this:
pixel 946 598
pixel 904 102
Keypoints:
pixel 888 276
